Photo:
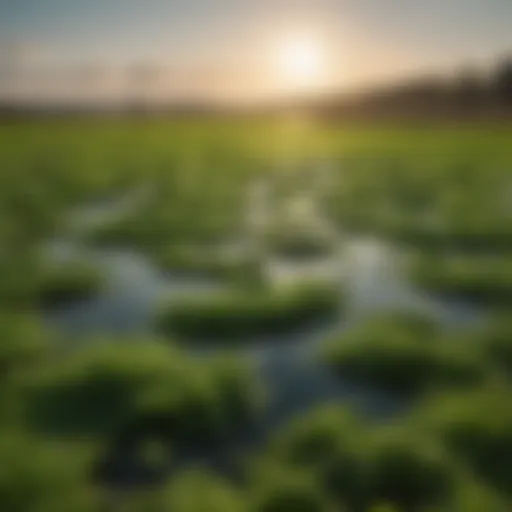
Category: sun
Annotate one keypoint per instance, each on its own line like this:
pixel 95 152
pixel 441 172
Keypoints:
pixel 300 62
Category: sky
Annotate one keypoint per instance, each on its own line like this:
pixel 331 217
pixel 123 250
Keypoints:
pixel 109 50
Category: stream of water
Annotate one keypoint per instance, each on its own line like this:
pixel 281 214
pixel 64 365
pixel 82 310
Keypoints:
pixel 372 277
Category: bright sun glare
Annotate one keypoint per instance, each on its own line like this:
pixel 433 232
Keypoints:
pixel 300 62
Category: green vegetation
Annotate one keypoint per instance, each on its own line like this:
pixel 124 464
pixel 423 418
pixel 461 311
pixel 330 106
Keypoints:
pixel 68 282
pixel 486 279
pixel 441 191
pixel 404 356
pixel 411 466
pixel 245 314
pixel 355 467
pixel 298 246
pixel 39 475
pixel 195 491
pixel 152 387
pixel 24 345
pixel 495 342
pixel 285 489
pixel 477 427
pixel 206 262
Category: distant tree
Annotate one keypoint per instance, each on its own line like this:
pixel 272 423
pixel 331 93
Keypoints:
pixel 469 88
pixel 503 81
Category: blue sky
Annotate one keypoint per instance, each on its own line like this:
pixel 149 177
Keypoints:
pixel 367 40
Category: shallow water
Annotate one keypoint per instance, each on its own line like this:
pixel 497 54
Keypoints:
pixel 88 216
pixel 372 278
pixel 131 294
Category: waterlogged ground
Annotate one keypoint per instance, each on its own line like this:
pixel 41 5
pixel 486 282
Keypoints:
pixel 371 274
pixel 133 381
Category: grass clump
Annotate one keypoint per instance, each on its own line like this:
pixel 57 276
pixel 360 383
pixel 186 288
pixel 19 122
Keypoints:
pixel 69 282
pixel 477 427
pixel 285 489
pixel 24 344
pixel 143 389
pixel 491 340
pixel 403 356
pixel 205 263
pixel 407 470
pixel 415 465
pixel 198 490
pixel 298 245
pixel 44 475
pixel 242 314
pixel 487 280
pixel 355 467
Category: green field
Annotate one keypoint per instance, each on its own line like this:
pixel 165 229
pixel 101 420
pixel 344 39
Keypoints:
pixel 163 284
